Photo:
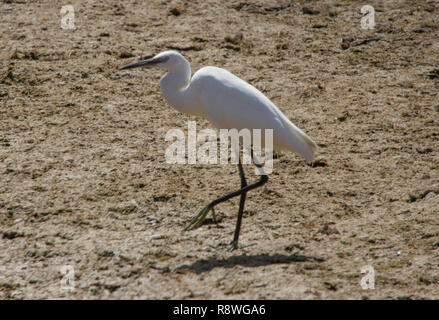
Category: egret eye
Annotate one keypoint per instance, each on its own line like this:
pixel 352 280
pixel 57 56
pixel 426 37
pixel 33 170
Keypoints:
pixel 163 60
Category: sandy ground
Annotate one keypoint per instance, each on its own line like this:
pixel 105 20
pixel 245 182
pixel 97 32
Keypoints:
pixel 83 177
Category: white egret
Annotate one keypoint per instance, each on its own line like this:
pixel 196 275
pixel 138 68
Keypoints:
pixel 227 102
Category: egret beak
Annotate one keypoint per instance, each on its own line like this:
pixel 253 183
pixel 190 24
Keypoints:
pixel 144 63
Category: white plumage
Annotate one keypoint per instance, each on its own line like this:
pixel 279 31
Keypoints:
pixel 226 101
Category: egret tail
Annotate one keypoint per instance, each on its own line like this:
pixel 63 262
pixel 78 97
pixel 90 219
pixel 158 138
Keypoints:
pixel 299 140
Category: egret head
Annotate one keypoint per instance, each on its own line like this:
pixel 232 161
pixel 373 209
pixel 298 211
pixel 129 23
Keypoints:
pixel 167 60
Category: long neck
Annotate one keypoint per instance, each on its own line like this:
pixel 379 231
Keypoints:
pixel 177 90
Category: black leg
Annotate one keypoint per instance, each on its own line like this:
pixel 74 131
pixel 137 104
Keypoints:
pixel 241 174
pixel 197 221
pixel 241 208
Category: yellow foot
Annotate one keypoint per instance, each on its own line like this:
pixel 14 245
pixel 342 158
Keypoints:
pixel 197 221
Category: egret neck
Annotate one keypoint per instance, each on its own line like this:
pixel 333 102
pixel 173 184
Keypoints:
pixel 177 89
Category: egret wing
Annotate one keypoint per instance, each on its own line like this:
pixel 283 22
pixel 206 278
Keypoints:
pixel 230 102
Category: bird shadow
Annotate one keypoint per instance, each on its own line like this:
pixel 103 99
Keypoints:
pixel 259 260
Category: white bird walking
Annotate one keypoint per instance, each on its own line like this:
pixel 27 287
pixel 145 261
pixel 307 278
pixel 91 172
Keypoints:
pixel 228 102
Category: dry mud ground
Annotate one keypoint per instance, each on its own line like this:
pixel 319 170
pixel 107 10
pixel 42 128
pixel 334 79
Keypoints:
pixel 83 177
